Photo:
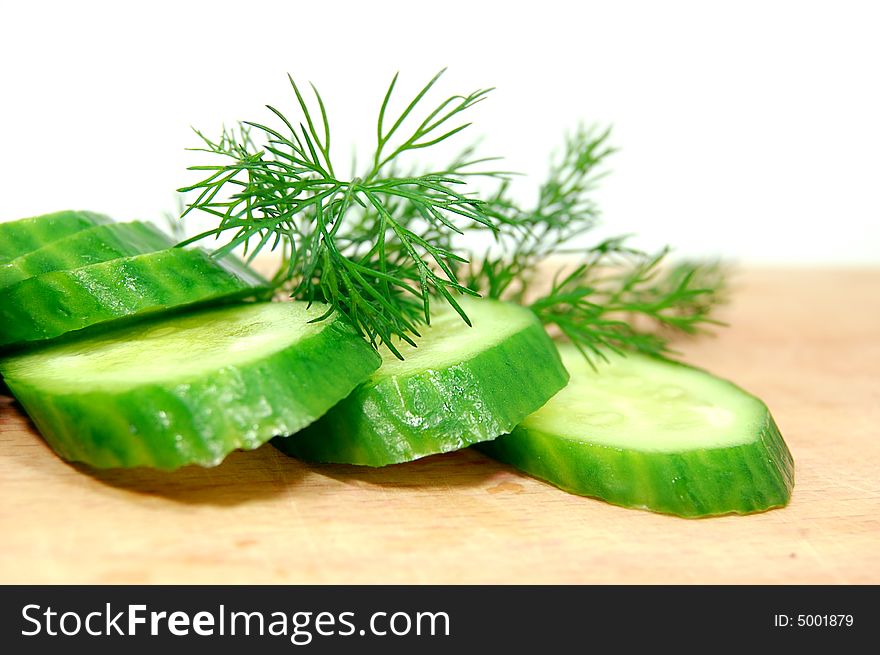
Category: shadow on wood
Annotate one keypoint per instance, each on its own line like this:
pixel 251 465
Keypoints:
pixel 463 468
pixel 241 478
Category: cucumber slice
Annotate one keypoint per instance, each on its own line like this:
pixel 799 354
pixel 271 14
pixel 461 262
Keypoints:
pixel 96 244
pixel 462 385
pixel 53 304
pixel 652 434
pixel 22 236
pixel 189 389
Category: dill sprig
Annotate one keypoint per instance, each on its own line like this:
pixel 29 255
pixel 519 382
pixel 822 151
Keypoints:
pixel 382 246
pixel 613 296
pixel 631 305
pixel 374 247
pixel 527 236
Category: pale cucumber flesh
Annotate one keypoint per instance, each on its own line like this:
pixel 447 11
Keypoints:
pixel 648 433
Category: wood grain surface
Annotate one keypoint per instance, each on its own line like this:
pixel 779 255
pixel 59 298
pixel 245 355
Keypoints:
pixel 807 341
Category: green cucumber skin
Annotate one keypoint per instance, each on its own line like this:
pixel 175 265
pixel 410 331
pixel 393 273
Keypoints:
pixel 22 236
pixel 691 484
pixel 54 304
pixel 96 244
pixel 400 419
pixel 202 420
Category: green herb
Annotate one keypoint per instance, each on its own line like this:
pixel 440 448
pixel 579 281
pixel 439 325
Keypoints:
pixel 601 300
pixel 351 243
pixel 381 246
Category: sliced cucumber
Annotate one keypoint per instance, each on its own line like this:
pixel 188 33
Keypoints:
pixel 54 304
pixel 96 244
pixel 652 434
pixel 22 236
pixel 462 385
pixel 189 389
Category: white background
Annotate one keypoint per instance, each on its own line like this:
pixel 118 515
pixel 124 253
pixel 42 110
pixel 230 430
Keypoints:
pixel 749 130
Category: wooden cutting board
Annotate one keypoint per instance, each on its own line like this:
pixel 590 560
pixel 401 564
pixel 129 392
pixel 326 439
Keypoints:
pixel 807 341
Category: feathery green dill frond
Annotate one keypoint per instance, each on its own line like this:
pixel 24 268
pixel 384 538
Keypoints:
pixel 374 247
pixel 382 247
pixel 613 296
